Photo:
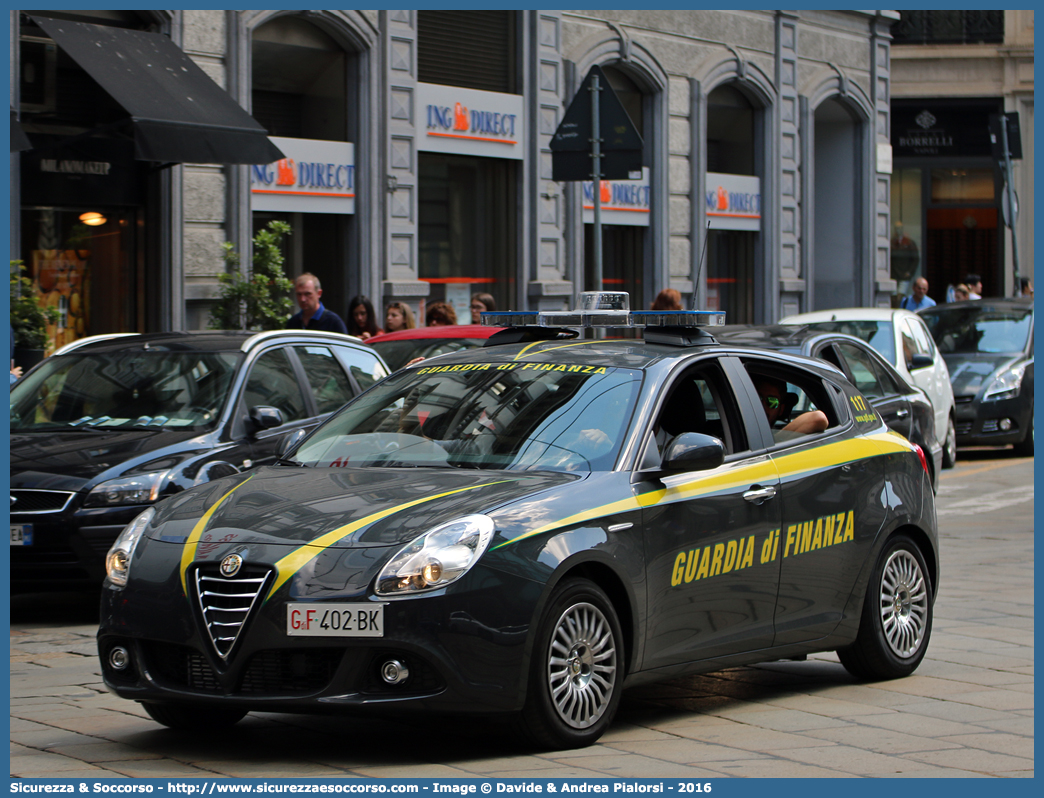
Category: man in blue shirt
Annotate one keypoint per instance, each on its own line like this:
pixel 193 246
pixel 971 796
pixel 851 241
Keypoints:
pixel 313 316
pixel 919 299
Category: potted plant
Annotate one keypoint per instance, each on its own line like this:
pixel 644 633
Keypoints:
pixel 260 301
pixel 29 319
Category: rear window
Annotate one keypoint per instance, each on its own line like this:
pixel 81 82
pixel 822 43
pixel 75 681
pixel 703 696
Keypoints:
pixel 878 334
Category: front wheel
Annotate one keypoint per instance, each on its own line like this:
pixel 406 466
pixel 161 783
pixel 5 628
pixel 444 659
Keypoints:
pixel 896 621
pixel 194 717
pixel 576 670
pixel 949 459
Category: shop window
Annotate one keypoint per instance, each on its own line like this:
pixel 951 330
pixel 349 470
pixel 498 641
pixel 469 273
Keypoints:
pixel 962 185
pixel 472 49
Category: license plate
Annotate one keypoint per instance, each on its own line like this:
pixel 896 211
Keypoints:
pixel 304 619
pixel 21 534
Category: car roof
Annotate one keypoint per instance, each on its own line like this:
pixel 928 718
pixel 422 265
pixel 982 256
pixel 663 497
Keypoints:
pixel 847 314
pixel 441 331
pixel 989 303
pixel 201 341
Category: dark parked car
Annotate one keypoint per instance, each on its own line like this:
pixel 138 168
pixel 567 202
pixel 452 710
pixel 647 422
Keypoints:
pixel 905 408
pixel 399 348
pixel 106 427
pixel 988 347
pixel 529 528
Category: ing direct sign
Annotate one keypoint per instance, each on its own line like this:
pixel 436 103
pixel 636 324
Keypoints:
pixel 624 202
pixel 315 177
pixel 733 202
pixel 470 122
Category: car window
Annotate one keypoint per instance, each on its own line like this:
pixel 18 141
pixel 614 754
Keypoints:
pixel 508 416
pixel 696 402
pixel 923 341
pixel 134 387
pixel 908 343
pixel 986 329
pixel 366 368
pixel 871 380
pixel 876 333
pixel 330 386
pixel 272 383
pixel 802 400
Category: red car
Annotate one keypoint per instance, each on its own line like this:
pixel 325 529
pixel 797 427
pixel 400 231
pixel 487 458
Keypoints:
pixel 399 348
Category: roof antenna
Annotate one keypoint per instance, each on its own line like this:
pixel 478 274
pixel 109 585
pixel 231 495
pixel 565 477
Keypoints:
pixel 699 268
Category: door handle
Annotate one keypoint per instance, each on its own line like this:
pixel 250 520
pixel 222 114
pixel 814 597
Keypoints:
pixel 758 495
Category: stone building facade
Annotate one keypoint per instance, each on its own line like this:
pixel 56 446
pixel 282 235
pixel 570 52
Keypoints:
pixel 764 189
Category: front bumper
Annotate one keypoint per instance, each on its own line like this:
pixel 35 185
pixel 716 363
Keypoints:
pixel 979 423
pixel 465 651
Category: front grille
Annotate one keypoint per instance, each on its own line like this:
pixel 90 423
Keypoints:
pixel 963 427
pixel 180 666
pixel 226 602
pixel 283 672
pixel 28 500
pixel 988 426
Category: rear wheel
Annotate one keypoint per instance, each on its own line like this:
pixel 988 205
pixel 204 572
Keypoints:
pixel 576 670
pixel 896 621
pixel 949 459
pixel 194 717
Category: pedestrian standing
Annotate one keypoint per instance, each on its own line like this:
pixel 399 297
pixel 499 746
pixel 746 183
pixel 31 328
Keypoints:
pixel 440 314
pixel 313 314
pixel 919 299
pixel 398 316
pixel 362 320
pixel 974 283
pixel 481 303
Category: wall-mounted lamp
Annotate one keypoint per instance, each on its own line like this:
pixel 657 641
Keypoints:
pixel 93 218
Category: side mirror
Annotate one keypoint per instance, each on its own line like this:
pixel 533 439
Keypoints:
pixel 290 442
pixel 920 362
pixel 263 417
pixel 694 451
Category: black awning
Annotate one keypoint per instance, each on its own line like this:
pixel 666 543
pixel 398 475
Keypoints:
pixel 19 141
pixel 179 114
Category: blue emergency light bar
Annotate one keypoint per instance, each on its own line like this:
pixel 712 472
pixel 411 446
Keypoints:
pixel 604 309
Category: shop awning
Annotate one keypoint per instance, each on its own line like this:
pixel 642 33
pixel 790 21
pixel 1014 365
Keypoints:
pixel 178 114
pixel 19 141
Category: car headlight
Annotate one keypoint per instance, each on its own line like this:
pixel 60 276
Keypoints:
pixel 117 561
pixel 436 558
pixel 1005 385
pixel 138 489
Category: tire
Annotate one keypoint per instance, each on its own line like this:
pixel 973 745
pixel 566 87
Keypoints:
pixel 194 717
pixel 949 459
pixel 896 622
pixel 576 671
pixel 1024 448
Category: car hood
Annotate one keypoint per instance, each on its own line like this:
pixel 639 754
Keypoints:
pixel 69 459
pixel 969 372
pixel 336 507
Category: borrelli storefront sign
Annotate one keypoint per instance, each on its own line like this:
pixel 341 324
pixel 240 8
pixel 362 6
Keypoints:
pixel 733 202
pixel 314 177
pixel 470 122
pixel 623 201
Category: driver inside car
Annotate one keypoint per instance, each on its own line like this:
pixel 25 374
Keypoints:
pixel 773 395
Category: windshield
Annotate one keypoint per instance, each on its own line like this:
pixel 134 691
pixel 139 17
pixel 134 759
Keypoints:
pixel 876 333
pixel 987 330
pixel 398 353
pixel 129 388
pixel 514 416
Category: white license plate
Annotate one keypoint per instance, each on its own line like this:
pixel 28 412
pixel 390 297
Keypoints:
pixel 315 619
pixel 21 534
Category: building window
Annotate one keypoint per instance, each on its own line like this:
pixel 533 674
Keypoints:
pixel 949 27
pixel 472 49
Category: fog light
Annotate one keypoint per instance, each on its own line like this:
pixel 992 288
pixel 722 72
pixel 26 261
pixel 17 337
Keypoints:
pixel 119 658
pixel 1005 424
pixel 394 672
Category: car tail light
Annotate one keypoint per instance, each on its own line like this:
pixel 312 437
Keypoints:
pixel 924 460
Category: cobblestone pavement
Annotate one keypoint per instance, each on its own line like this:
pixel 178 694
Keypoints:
pixel 967 711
